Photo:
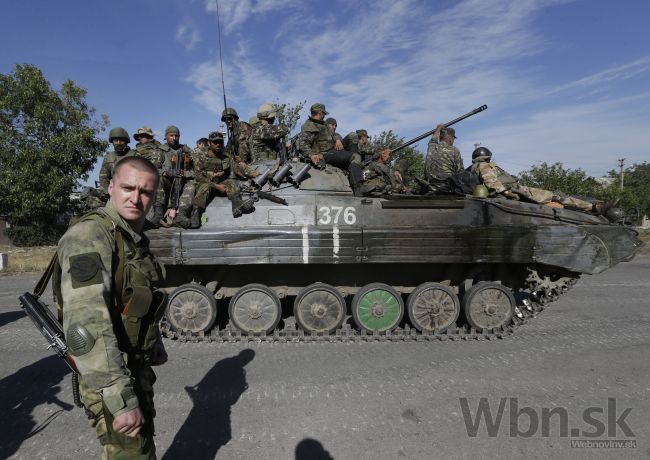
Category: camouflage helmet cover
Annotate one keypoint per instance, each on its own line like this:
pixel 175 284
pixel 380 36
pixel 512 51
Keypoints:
pixel 144 131
pixel 118 133
pixel 266 111
pixel 318 107
pixel 229 112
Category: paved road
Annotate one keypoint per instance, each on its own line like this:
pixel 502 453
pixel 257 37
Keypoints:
pixel 588 353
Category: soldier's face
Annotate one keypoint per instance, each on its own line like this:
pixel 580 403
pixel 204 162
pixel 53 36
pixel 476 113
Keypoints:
pixel 363 140
pixel 216 147
pixel 132 194
pixel 144 139
pixel 332 127
pixel 172 139
pixel 449 139
pixel 119 144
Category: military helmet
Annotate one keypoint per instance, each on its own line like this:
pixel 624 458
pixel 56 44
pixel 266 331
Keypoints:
pixel 481 152
pixel 362 132
pixel 171 129
pixel 318 107
pixel 144 131
pixel 615 215
pixel 448 132
pixel 331 121
pixel 229 112
pixel 118 133
pixel 267 111
pixel 481 191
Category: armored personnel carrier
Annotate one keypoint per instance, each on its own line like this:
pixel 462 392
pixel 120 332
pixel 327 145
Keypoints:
pixel 329 265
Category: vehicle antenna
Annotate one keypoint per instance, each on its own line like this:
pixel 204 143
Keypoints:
pixel 223 85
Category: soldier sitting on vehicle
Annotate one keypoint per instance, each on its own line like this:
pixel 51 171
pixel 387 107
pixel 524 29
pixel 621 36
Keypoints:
pixel 500 182
pixel 217 172
pixel 379 179
pixel 357 142
pixel 316 144
pixel 267 139
pixel 443 159
pixel 149 148
pixel 332 125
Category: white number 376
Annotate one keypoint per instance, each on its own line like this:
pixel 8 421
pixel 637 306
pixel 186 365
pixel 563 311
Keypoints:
pixel 332 215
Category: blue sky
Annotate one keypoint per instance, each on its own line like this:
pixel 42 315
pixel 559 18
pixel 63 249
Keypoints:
pixel 564 80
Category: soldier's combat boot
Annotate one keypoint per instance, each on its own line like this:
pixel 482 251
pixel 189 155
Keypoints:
pixel 181 219
pixel 240 206
pixel 195 218
pixel 158 215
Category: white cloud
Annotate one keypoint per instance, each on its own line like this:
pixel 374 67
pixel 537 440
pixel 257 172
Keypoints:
pixel 188 36
pixel 409 65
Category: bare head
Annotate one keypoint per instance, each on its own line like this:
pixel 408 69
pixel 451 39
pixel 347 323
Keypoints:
pixel 133 188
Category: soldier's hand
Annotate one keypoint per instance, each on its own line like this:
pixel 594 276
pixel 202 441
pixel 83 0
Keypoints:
pixel 129 423
pixel 180 173
pixel 511 195
pixel 338 145
pixel 438 128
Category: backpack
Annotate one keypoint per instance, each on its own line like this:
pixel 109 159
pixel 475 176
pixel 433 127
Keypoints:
pixel 463 182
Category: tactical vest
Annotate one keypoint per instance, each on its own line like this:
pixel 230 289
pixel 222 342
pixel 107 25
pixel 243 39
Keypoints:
pixel 503 176
pixel 136 308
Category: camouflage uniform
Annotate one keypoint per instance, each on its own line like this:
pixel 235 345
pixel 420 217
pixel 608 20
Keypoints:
pixel 152 151
pixel 229 170
pixel 316 138
pixel 111 334
pixel 239 144
pixel 443 160
pixel 364 153
pixel 264 141
pixel 106 171
pixel 499 181
pixel 379 179
pixel 171 165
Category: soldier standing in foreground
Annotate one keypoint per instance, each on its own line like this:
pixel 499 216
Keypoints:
pixel 267 138
pixel 239 135
pixel 149 148
pixel 443 159
pixel 120 140
pixel 499 181
pixel 106 289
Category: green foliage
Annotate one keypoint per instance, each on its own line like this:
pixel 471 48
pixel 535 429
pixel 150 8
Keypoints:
pixel 289 115
pixel 48 143
pixel 635 197
pixel 556 178
pixel 36 235
pixel 408 160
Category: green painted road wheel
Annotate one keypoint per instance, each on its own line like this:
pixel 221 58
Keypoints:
pixel 377 307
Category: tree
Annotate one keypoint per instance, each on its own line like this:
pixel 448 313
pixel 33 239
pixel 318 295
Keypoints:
pixel 409 159
pixel 48 143
pixel 635 197
pixel 558 179
pixel 289 115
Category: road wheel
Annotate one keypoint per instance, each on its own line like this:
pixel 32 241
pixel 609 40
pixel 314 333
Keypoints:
pixel 319 308
pixel 433 307
pixel 255 309
pixel 377 307
pixel 192 308
pixel 488 305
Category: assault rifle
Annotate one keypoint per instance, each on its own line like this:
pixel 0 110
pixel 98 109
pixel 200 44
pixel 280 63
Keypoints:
pixel 178 173
pixel 446 125
pixel 49 326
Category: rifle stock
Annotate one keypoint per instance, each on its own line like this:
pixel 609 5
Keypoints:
pixel 446 125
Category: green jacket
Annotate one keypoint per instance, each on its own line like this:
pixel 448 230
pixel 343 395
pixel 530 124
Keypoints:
pixel 122 326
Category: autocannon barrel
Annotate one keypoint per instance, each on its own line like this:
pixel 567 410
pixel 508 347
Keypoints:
pixel 447 125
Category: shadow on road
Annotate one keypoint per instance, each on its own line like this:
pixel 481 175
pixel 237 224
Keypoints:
pixel 310 449
pixel 10 317
pixel 207 427
pixel 21 393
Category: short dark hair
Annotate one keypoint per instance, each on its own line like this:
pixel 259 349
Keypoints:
pixel 139 163
pixel 203 140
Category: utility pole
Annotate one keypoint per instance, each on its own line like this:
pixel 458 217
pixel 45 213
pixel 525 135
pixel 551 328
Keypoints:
pixel 621 162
